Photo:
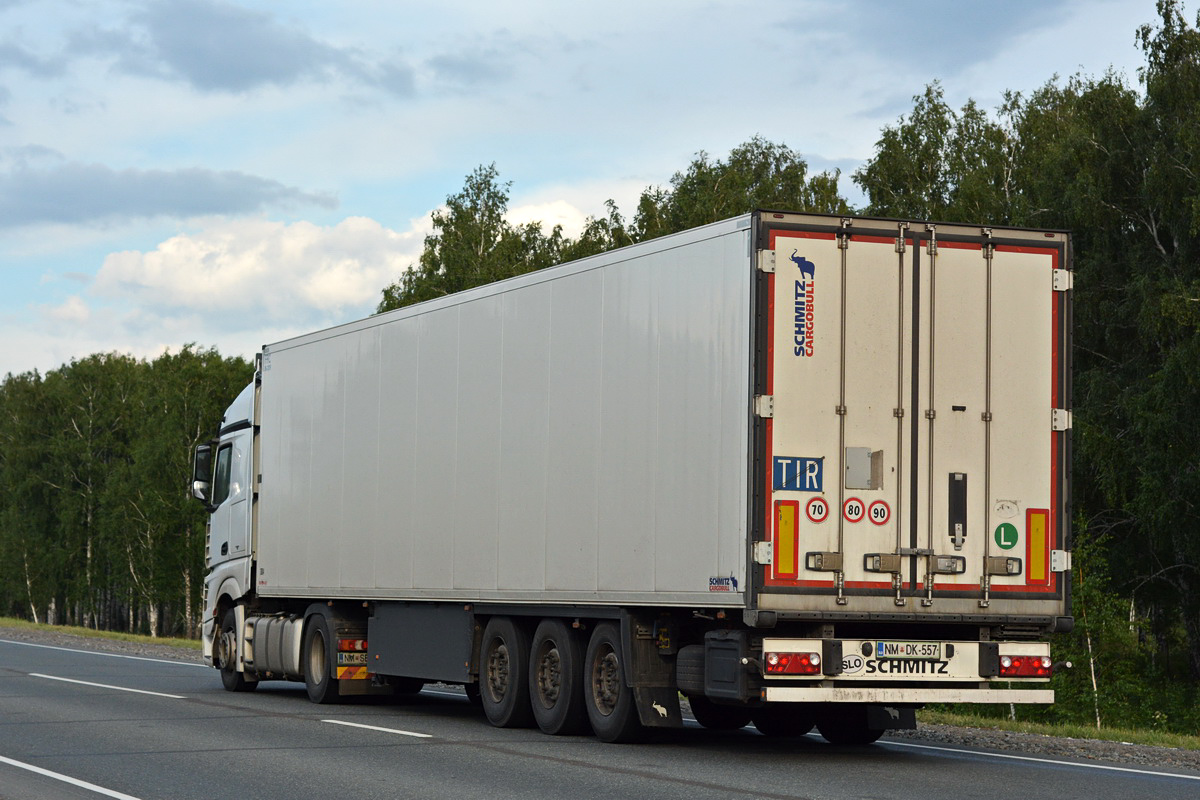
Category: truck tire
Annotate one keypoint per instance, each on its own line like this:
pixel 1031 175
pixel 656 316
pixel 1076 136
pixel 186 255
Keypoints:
pixel 717 717
pixel 504 670
pixel 689 670
pixel 783 720
pixel 320 672
pixel 556 679
pixel 225 652
pixel 609 702
pixel 846 725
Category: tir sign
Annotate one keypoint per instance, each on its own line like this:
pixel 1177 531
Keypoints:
pixel 797 474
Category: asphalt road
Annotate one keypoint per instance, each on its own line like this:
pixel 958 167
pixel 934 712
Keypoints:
pixel 82 724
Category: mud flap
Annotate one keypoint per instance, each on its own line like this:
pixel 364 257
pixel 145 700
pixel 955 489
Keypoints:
pixel 890 718
pixel 658 706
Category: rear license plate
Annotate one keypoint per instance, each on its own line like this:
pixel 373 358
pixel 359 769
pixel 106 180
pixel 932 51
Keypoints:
pixel 926 650
pixel 351 659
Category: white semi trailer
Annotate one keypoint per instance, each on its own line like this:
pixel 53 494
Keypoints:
pixel 803 470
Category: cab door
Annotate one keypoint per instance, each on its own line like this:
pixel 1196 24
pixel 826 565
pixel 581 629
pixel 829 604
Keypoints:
pixel 229 523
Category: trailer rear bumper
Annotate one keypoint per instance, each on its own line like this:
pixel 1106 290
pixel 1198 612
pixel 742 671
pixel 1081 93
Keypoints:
pixel 892 695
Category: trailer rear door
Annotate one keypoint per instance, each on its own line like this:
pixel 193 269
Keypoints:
pixel 914 425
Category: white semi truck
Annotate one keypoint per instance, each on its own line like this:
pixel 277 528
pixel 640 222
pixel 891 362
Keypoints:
pixel 803 470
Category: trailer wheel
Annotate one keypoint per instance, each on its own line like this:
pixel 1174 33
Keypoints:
pixel 783 720
pixel 320 674
pixel 846 725
pixel 504 665
pixel 717 717
pixel 556 679
pixel 225 652
pixel 610 705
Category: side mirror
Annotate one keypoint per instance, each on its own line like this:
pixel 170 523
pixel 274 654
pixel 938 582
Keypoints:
pixel 202 467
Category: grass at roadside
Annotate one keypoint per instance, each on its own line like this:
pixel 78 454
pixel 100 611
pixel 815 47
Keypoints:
pixel 1145 737
pixel 20 624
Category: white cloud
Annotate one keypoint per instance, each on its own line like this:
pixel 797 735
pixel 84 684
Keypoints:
pixel 74 310
pixel 554 212
pixel 265 271
pixel 235 285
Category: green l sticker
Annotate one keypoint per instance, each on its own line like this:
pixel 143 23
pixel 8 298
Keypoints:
pixel 1006 536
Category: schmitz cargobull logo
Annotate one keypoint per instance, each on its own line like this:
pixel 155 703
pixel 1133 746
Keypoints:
pixel 805 298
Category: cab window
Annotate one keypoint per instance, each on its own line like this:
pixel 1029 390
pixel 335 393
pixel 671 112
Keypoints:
pixel 221 478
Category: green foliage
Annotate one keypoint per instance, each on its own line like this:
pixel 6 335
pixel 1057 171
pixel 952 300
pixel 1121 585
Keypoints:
pixel 936 164
pixel 95 524
pixel 757 174
pixel 473 244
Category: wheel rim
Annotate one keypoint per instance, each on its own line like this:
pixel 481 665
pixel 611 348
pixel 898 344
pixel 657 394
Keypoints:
pixel 227 648
pixel 606 681
pixel 316 658
pixel 549 675
pixel 497 671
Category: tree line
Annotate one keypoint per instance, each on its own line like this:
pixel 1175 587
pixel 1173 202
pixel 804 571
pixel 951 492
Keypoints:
pixel 95 527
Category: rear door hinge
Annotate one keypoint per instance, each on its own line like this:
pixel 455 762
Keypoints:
pixel 764 553
pixel 1064 280
pixel 764 405
pixel 766 261
pixel 1060 419
pixel 1060 560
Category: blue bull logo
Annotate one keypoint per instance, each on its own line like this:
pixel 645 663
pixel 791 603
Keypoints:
pixel 806 267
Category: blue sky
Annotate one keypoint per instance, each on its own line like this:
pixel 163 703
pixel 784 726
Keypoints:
pixel 234 173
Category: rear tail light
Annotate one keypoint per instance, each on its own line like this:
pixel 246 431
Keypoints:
pixel 351 645
pixel 793 663
pixel 1025 666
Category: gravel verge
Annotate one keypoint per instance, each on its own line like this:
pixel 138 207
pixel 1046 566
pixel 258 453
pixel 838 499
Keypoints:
pixel 1030 744
pixel 1042 746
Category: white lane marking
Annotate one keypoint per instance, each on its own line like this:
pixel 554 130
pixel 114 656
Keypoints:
pixel 91 787
pixel 377 728
pixel 1045 760
pixel 105 686
pixel 110 655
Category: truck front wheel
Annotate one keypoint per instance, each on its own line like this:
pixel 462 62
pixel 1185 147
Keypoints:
pixel 225 652
pixel 556 679
pixel 610 704
pixel 320 675
pixel 504 667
